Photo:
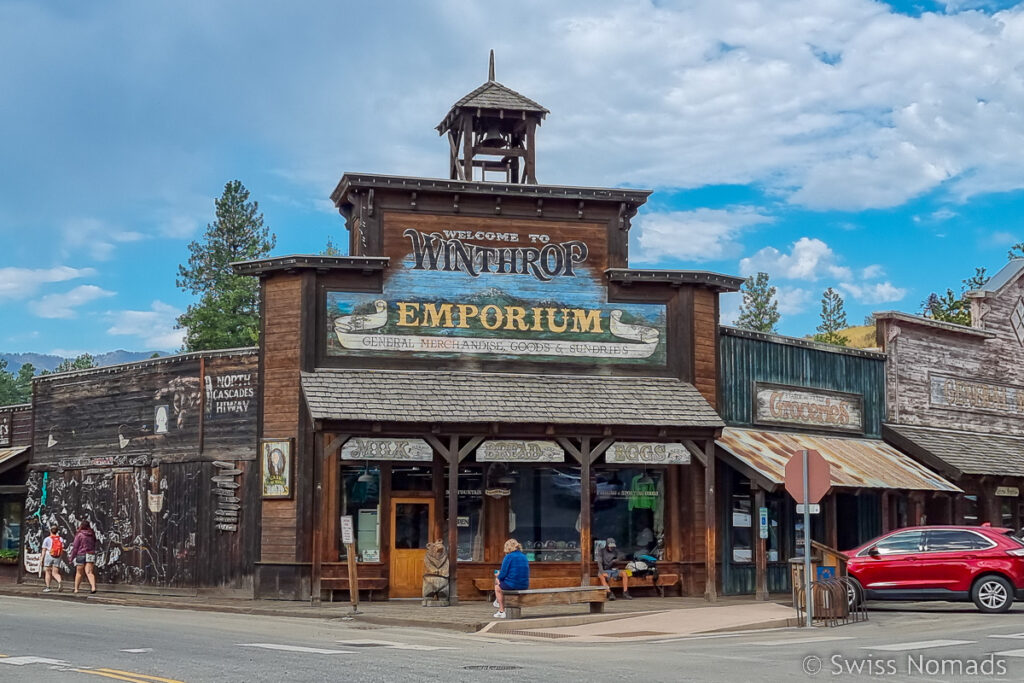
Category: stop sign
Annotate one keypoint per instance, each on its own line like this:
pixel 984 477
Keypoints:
pixel 819 476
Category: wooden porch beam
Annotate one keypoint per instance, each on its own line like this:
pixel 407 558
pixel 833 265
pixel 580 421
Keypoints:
pixel 469 446
pixel 760 547
pixel 695 452
pixel 711 523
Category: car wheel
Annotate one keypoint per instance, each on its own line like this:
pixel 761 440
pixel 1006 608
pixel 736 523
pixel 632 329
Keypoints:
pixel 992 594
pixel 854 593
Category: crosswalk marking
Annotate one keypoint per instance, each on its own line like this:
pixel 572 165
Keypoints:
pixel 1015 636
pixel 1009 653
pixel 297 648
pixel 919 645
pixel 22 661
pixel 801 641
pixel 138 650
pixel 392 645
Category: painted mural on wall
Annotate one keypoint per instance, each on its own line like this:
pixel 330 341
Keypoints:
pixel 494 288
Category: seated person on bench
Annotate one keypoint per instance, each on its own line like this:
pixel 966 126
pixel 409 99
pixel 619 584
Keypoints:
pixel 514 575
pixel 606 571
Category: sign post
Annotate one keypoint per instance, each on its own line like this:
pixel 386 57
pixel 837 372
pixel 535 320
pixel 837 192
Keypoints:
pixel 808 479
pixel 348 538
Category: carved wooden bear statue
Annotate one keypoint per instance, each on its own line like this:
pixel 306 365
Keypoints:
pixel 435 572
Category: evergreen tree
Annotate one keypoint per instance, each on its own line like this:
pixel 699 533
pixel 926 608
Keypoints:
pixel 760 310
pixel 227 313
pixel 82 362
pixel 951 308
pixel 15 387
pixel 833 319
pixel 331 249
pixel 1016 251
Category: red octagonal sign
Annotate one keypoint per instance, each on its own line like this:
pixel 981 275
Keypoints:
pixel 819 476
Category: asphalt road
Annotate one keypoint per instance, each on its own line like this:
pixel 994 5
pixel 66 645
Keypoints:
pixel 47 640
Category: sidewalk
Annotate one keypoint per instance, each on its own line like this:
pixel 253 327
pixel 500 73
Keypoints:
pixel 467 617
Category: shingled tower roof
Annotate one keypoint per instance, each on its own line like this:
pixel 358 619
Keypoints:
pixel 492 95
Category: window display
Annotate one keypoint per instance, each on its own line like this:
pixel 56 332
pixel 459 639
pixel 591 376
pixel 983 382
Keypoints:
pixel 360 498
pixel 10 518
pixel 544 509
pixel 629 506
pixel 470 514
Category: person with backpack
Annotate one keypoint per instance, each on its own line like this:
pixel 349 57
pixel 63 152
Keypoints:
pixel 83 550
pixel 53 549
pixel 606 571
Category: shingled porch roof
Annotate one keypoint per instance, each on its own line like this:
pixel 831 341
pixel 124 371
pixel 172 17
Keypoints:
pixel 476 397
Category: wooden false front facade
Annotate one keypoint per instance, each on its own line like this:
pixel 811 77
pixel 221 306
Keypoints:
pixel 484 366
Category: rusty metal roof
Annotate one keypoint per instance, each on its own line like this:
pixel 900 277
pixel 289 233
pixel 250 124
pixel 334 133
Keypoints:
pixel 856 463
pixel 9 457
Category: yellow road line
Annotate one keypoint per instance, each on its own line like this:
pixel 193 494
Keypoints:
pixel 146 676
pixel 109 675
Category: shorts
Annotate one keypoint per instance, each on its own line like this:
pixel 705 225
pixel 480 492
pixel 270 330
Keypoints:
pixel 506 586
pixel 85 558
pixel 612 574
pixel 51 561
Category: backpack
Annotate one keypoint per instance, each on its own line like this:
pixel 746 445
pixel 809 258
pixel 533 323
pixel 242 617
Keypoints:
pixel 56 546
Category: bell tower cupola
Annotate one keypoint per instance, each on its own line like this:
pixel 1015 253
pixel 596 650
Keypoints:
pixel 491 134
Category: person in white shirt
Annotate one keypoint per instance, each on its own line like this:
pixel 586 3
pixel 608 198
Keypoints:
pixel 51 562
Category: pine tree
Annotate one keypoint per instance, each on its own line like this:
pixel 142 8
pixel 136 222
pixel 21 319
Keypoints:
pixel 1016 251
pixel 760 310
pixel 951 308
pixel 331 249
pixel 833 319
pixel 227 313
pixel 81 362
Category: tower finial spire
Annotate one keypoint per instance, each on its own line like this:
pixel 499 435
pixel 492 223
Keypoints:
pixel 490 68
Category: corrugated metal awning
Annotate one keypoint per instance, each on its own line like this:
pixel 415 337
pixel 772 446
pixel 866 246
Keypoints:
pixel 9 457
pixel 856 463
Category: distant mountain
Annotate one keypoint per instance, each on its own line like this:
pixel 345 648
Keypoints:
pixel 46 361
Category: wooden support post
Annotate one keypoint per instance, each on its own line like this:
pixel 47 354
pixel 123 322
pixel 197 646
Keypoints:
pixel 585 532
pixel 760 547
pixel 318 520
pixel 467 146
pixel 453 519
pixel 886 513
pixel 710 524
pixel 353 577
pixel 831 521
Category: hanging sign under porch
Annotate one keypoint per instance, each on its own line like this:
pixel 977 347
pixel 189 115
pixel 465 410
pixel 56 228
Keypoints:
pixel 652 453
pixel 519 451
pixel 365 448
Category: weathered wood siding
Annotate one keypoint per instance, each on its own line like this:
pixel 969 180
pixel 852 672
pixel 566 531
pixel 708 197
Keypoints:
pixel 918 350
pixel 749 357
pixel 19 420
pixel 150 496
pixel 282 344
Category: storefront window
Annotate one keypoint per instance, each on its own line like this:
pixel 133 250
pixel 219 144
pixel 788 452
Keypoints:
pixel 412 478
pixel 1006 512
pixel 629 506
pixel 360 498
pixel 10 517
pixel 544 509
pixel 470 514
pixel 741 514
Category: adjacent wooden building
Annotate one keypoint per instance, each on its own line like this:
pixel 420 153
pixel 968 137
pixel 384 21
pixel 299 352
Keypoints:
pixel 159 457
pixel 15 450
pixel 956 397
pixel 781 395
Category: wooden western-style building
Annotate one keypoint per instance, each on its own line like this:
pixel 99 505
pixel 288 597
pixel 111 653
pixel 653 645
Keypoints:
pixel 15 450
pixel 956 397
pixel 484 364
pixel 159 457
pixel 781 395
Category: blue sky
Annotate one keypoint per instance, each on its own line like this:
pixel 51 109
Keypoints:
pixel 867 146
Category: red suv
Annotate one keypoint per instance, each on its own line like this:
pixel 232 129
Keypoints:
pixel 960 563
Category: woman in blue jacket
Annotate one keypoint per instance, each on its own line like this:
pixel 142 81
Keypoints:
pixel 514 575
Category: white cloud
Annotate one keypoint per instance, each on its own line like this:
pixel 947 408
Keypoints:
pixel 21 283
pixel 874 293
pixel 154 328
pixel 94 238
pixel 808 259
pixel 63 305
pixel 792 300
pixel 873 271
pixel 698 235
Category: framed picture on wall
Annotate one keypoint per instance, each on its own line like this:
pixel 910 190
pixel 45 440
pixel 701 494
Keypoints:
pixel 276 468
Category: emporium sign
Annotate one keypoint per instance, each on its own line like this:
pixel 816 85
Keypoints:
pixel 790 406
pixel 970 395
pixel 652 453
pixel 519 451
pixel 360 448
pixel 495 288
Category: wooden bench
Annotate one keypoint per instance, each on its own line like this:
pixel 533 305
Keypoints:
pixel 516 600
pixel 487 585
pixel 664 581
pixel 369 584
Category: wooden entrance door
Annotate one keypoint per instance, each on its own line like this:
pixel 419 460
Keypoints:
pixel 411 522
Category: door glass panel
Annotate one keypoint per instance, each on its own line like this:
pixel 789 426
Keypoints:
pixel 901 543
pixel 412 526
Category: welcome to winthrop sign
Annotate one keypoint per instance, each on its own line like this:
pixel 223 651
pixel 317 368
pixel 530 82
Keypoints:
pixel 465 286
